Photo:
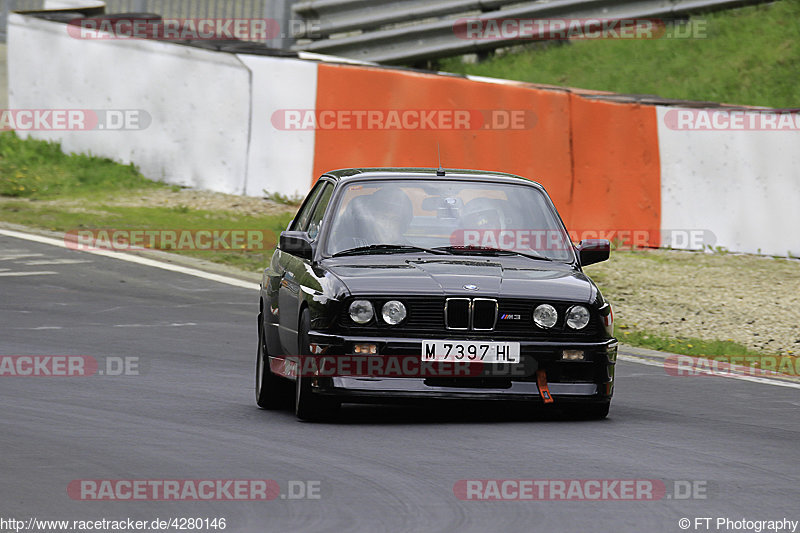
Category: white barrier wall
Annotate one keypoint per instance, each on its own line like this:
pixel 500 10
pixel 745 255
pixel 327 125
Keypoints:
pixel 198 100
pixel 211 128
pixel 280 161
pixel 743 185
pixel 210 111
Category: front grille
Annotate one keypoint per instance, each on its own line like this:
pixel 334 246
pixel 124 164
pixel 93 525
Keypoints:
pixel 484 314
pixel 463 314
pixel 457 313
pixel 431 316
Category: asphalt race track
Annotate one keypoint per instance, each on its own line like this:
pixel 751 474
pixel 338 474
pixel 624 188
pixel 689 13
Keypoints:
pixel 190 414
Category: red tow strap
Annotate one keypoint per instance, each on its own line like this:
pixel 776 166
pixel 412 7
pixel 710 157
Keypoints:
pixel 544 390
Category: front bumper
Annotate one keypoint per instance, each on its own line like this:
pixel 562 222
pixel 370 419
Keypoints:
pixel 416 388
pixel 591 380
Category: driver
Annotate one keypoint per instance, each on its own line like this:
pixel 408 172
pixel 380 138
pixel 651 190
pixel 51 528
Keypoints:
pixel 391 212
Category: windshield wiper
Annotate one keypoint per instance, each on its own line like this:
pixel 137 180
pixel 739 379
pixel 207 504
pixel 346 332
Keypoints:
pixel 388 249
pixel 486 250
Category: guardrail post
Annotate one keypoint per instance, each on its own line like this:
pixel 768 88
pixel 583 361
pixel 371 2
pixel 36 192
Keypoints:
pixel 281 11
pixel 4 18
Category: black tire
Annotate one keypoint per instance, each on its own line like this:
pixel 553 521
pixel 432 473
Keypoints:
pixel 308 405
pixel 269 387
pixel 598 411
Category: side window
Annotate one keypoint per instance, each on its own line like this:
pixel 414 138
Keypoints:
pixel 301 219
pixel 319 211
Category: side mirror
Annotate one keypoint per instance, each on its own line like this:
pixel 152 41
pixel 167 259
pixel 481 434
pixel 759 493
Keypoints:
pixel 591 251
pixel 297 243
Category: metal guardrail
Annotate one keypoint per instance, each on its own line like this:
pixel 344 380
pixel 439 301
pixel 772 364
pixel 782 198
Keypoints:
pixel 190 8
pixel 336 16
pixel 165 8
pixel 395 31
pixel 400 31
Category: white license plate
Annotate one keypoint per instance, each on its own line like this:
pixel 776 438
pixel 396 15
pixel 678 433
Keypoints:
pixel 471 351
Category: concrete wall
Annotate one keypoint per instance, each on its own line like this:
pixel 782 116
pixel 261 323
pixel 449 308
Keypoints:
pixel 743 185
pixel 609 164
pixel 598 160
pixel 279 161
pixel 198 100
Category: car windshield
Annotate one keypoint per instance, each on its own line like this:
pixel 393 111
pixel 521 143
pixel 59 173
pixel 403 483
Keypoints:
pixel 446 216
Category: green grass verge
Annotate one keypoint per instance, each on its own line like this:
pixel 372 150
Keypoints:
pixel 680 345
pixel 749 56
pixel 726 351
pixel 36 170
pixel 39 170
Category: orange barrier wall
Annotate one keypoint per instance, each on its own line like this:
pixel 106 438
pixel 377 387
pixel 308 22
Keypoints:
pixel 597 160
pixel 540 153
pixel 616 170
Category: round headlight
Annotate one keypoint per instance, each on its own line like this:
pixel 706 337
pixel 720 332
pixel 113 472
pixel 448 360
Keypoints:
pixel 545 316
pixel 393 312
pixel 577 317
pixel 361 311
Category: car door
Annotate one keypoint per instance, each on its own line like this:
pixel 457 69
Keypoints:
pixel 295 272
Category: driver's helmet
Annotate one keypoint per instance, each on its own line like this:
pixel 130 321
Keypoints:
pixel 391 212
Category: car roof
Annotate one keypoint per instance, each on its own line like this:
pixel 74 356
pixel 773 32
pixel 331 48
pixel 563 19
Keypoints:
pixel 355 174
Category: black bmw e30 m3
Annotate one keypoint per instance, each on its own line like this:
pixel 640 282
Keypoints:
pixel 396 284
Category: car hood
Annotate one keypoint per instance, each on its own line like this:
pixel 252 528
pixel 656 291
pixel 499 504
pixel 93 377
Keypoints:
pixel 506 276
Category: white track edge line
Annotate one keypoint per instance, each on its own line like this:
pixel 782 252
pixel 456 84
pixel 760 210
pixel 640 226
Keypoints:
pixel 135 259
pixel 754 379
